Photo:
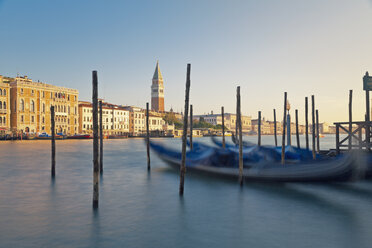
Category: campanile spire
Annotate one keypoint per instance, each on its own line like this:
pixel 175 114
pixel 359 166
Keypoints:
pixel 157 90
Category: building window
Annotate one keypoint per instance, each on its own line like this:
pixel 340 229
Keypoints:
pixel 43 107
pixel 43 94
pixel 1 105
pixel 21 91
pixel 22 105
pixel 4 92
pixel 32 119
pixel 4 120
pixel 32 92
pixel 22 119
pixel 4 105
pixel 32 106
pixel 43 120
pixel 1 92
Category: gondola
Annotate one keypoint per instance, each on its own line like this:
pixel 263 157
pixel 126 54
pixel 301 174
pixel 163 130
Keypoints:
pixel 222 162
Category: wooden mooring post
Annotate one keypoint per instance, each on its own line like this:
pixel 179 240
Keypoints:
pixel 95 141
pixel 367 87
pixel 317 132
pixel 313 131
pixel 297 131
pixel 148 136
pixel 350 118
pixel 307 123
pixel 223 127
pixel 191 147
pixel 259 129
pixel 52 119
pixel 239 123
pixel 184 134
pixel 100 139
pixel 284 124
pixel 275 138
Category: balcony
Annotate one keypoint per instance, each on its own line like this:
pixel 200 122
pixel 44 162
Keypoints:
pixel 3 111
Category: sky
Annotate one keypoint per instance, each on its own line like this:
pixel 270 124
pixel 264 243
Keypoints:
pixel 318 47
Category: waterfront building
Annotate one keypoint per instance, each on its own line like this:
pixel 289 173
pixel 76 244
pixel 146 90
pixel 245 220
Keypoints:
pixel 230 120
pixel 4 104
pixel 115 119
pixel 30 104
pixel 157 90
pixel 136 120
pixel 265 126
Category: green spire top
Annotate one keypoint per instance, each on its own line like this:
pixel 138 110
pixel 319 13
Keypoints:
pixel 157 73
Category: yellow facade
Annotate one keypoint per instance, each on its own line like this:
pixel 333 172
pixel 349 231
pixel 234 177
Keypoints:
pixel 30 104
pixel 4 104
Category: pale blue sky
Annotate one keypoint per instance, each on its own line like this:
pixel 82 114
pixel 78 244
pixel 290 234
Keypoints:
pixel 267 47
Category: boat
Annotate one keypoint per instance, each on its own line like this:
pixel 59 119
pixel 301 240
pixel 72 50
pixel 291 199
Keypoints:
pixel 45 136
pixel 223 162
pixel 79 136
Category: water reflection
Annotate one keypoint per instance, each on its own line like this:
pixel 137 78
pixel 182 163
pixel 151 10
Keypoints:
pixel 143 209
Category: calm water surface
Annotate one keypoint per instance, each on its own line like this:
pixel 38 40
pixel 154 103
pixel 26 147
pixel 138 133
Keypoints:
pixel 140 209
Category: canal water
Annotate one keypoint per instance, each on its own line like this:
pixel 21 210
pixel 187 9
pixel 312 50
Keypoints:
pixel 141 209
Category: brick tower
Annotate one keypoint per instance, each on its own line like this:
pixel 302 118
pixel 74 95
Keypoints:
pixel 157 90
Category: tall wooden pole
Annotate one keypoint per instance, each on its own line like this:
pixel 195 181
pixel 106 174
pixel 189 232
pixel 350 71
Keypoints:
pixel 313 123
pixel 184 135
pixel 259 128
pixel 223 127
pixel 307 123
pixel 284 124
pixel 350 118
pixel 239 123
pixel 297 132
pixel 317 132
pixel 191 127
pixel 53 142
pixel 276 140
pixel 368 118
pixel 148 136
pixel 95 141
pixel 100 139
pixel 236 124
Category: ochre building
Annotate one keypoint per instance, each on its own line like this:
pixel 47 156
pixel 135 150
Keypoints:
pixel 30 104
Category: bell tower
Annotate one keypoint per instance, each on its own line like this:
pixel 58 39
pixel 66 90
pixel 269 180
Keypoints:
pixel 157 90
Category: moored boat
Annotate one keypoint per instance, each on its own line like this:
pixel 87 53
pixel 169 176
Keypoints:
pixel 223 162
pixel 79 136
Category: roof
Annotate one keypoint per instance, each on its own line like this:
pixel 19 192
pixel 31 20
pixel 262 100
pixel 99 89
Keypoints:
pixel 157 73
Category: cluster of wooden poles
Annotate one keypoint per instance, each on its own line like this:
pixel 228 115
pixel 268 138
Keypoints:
pixel 238 131
pixel 98 134
pixel 97 141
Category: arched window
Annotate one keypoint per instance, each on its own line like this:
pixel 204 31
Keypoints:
pixel 64 109
pixel 4 120
pixel 43 107
pixel 32 106
pixel 1 92
pixel 1 120
pixel 1 105
pixel 22 105
pixel 4 105
pixel 4 92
